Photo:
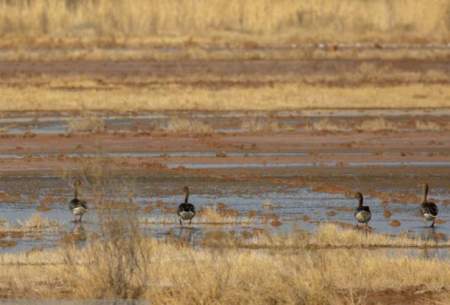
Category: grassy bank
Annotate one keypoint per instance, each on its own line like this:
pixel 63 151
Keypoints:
pixel 174 272
pixel 117 23
pixel 179 97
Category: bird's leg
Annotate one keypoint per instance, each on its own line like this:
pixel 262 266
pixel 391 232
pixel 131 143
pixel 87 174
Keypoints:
pixel 190 221
pixel 432 224
pixel 81 218
pixel 181 223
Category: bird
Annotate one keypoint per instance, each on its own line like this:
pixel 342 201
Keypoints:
pixel 77 206
pixel 362 213
pixel 186 210
pixel 429 209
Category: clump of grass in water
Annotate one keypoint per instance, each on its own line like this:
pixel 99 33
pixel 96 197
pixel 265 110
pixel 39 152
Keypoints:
pixel 36 223
pixel 368 125
pixel 118 258
pixel 180 125
pixel 263 124
pixel 423 125
pixel 377 124
pixel 87 122
pixel 205 216
pixel 326 125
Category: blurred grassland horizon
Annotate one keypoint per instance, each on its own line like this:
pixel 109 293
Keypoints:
pixel 282 22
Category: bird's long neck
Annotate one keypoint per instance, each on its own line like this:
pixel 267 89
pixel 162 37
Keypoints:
pixel 425 193
pixel 75 192
pixel 361 201
pixel 186 198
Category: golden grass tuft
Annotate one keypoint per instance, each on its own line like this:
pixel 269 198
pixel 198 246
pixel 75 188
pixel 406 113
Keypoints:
pixel 332 236
pixel 377 124
pixel 183 126
pixel 38 223
pixel 256 124
pixel 206 216
pixel 326 125
pixel 374 125
pixel 86 123
pixel 430 126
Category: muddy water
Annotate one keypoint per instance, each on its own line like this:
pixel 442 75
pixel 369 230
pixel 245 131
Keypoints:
pixel 221 122
pixel 275 164
pixel 295 207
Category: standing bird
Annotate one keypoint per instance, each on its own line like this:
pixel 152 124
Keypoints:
pixel 77 206
pixel 186 210
pixel 362 213
pixel 429 209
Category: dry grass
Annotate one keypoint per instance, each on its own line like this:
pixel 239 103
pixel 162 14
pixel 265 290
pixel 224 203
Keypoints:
pixel 327 236
pixel 32 228
pixel 375 125
pixel 368 125
pixel 326 125
pixel 263 124
pixel 431 126
pixel 177 97
pixel 116 23
pixel 206 216
pixel 181 125
pixel 174 273
pixel 35 224
pixel 183 52
pixel 86 123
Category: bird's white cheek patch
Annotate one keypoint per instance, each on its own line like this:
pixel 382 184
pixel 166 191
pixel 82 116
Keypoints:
pixel 79 211
pixel 186 215
pixel 428 216
pixel 363 217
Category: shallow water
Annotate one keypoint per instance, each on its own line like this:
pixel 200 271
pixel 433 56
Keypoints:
pixel 221 122
pixel 295 207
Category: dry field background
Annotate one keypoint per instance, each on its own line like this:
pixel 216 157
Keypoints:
pixel 245 22
pixel 383 36
pixel 213 85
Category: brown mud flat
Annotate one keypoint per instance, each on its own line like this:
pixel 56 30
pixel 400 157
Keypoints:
pixel 328 162
pixel 138 85
pixel 382 146
pixel 218 74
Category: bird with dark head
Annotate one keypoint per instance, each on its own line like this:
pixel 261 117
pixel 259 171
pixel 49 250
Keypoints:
pixel 77 206
pixel 428 209
pixel 186 210
pixel 362 212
